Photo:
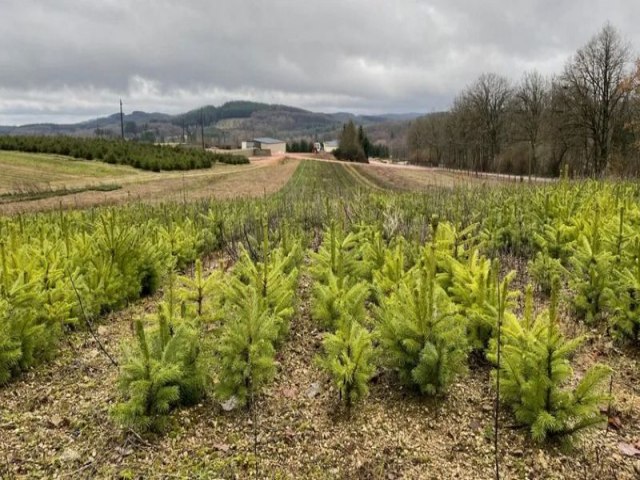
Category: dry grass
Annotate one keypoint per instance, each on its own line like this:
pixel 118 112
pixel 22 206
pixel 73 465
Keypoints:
pixel 412 178
pixel 220 181
pixel 29 171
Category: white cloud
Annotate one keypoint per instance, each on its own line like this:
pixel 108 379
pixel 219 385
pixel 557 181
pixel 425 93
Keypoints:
pixel 64 59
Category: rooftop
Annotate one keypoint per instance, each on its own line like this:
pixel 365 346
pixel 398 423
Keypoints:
pixel 267 140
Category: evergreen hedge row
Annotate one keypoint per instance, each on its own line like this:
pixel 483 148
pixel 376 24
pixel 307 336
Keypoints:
pixel 139 155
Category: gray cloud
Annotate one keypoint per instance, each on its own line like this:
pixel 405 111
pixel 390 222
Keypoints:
pixel 64 60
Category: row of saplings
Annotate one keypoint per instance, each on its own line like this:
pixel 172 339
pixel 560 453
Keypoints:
pixel 247 310
pixel 429 307
pixel 68 273
pixel 419 311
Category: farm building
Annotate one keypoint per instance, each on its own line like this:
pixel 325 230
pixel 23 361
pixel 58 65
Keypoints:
pixel 266 143
pixel 248 145
pixel 330 146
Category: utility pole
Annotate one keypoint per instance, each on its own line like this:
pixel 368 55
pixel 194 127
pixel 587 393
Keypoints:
pixel 202 127
pixel 121 121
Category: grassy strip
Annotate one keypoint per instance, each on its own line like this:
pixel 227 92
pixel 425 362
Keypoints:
pixel 366 177
pixel 14 197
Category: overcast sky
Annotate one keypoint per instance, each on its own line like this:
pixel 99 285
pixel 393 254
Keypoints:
pixel 69 60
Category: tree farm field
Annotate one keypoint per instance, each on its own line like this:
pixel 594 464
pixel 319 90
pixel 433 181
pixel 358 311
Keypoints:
pixel 36 182
pixel 294 318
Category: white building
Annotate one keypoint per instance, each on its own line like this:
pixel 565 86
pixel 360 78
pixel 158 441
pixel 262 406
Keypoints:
pixel 248 145
pixel 272 144
pixel 330 146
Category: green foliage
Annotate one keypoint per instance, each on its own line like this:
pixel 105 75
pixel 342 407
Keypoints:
pixel 350 146
pixel 245 350
pixel 274 278
pixel 136 154
pixel 202 294
pixel 336 269
pixel 10 347
pixel 159 372
pixel 337 299
pixel 623 301
pixel 535 370
pixel 389 276
pixel 340 254
pixel 348 358
pixel 590 279
pixel 422 336
pixel 543 269
pixel 473 289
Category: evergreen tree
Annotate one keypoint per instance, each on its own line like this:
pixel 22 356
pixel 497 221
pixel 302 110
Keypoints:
pixel 10 349
pixel 245 350
pixel 623 301
pixel 337 268
pixel 590 278
pixel 275 278
pixel 159 372
pixel 337 298
pixel 535 369
pixel 473 289
pixel 202 294
pixel 421 334
pixel 348 358
pixel 349 146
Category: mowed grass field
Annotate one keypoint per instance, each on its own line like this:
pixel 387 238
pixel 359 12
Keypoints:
pixel 26 173
pixel 30 171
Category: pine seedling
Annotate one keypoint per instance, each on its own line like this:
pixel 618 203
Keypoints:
pixel 337 299
pixel 150 386
pixel 10 349
pixel 535 369
pixel 590 279
pixel 624 299
pixel 245 352
pixel 421 334
pixel 202 294
pixel 348 358
pixel 474 290
pixel 388 277
pixel 160 371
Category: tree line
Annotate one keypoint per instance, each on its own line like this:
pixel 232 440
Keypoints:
pixel 354 145
pixel 585 119
pixel 136 154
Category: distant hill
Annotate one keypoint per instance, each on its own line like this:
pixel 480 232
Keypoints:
pixel 227 124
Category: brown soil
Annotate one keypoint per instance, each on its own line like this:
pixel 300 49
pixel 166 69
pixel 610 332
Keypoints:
pixel 55 423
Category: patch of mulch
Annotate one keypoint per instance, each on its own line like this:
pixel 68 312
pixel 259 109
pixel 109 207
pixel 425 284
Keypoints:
pixel 55 423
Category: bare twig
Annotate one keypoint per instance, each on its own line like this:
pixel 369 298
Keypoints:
pixel 89 324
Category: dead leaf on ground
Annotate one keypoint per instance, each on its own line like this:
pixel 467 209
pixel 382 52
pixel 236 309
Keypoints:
pixel 629 450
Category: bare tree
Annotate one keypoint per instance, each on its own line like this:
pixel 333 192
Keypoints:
pixel 488 98
pixel 426 138
pixel 593 81
pixel 531 103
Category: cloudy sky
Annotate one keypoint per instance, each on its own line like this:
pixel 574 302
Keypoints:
pixel 69 60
